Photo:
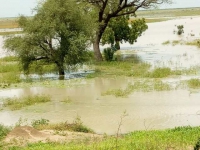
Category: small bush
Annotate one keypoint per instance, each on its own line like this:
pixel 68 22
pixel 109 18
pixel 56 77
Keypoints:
pixel 180 29
pixel 197 145
pixel 108 54
pixel 36 123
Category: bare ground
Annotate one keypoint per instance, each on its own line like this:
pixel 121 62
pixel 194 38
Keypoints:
pixel 25 134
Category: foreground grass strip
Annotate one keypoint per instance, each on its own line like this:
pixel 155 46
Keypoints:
pixel 179 138
pixel 18 103
pixel 144 86
pixel 3 131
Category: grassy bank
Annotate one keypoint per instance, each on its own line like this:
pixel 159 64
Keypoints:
pixel 179 138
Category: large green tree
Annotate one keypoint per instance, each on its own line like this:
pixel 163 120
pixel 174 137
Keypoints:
pixel 58 33
pixel 119 30
pixel 108 9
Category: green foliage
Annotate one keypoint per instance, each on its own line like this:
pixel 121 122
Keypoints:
pixel 3 131
pixel 58 33
pixel 18 103
pixel 197 145
pixel 118 30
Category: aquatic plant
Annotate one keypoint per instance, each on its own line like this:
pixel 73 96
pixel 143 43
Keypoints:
pixel 3 131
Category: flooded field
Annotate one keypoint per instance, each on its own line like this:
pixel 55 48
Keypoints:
pixel 146 110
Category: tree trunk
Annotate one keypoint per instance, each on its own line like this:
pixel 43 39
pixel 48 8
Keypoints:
pixel 117 44
pixel 61 71
pixel 96 48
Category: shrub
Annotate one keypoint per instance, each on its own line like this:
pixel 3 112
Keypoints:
pixel 36 123
pixel 108 54
pixel 180 29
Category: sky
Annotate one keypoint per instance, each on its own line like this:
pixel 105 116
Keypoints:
pixel 14 8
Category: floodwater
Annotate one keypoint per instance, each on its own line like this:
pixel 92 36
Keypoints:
pixel 146 110
pixel 149 110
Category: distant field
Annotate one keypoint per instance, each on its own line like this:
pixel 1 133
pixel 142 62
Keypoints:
pixel 155 15
pixel 7 23
pixel 160 13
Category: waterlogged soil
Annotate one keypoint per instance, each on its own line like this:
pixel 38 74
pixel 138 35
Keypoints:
pixel 145 110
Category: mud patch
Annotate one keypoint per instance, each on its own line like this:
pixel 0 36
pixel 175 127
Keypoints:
pixel 25 134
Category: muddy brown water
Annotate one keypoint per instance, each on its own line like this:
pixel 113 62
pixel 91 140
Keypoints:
pixel 149 110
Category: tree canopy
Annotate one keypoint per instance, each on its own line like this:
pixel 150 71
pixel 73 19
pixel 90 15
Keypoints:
pixel 119 30
pixel 107 9
pixel 58 33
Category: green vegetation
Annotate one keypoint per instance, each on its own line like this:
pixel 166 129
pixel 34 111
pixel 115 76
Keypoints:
pixel 194 43
pixel 194 83
pixel 106 11
pixel 178 138
pixel 176 42
pixel 76 126
pixel 160 73
pixel 144 86
pixel 166 42
pixel 19 103
pixel 119 30
pixel 180 29
pixel 56 21
pixel 9 71
pixel 3 132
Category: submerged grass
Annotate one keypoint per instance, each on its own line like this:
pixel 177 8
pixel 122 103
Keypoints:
pixel 144 86
pixel 194 83
pixel 19 103
pixel 177 138
pixel 194 43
